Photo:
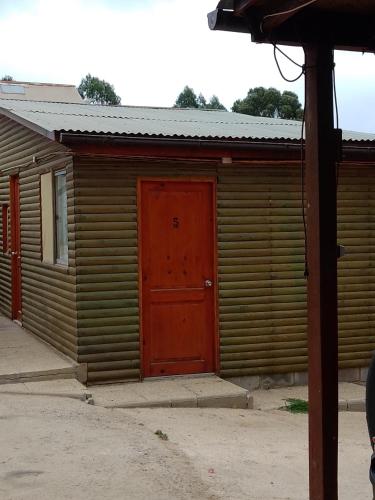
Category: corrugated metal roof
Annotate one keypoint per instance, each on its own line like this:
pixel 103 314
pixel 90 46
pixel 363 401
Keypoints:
pixel 161 122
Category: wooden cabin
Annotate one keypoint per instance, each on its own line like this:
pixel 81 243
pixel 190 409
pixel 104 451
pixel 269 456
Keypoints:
pixel 148 242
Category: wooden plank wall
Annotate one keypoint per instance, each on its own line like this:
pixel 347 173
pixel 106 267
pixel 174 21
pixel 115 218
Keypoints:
pixel 107 263
pixel 48 291
pixel 262 285
pixel 261 266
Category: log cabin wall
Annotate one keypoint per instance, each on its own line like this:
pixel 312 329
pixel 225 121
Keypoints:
pixel 262 289
pixel 48 291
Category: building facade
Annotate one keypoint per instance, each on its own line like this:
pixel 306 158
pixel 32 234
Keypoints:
pixel 142 252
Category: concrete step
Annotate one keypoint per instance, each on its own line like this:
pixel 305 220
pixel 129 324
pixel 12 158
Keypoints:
pixel 176 392
pixel 25 358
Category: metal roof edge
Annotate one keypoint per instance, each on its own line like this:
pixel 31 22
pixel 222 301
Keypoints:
pixel 50 134
pixel 72 136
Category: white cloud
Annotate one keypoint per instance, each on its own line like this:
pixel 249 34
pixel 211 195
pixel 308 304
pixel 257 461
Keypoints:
pixel 150 50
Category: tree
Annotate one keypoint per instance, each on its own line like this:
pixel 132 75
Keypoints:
pixel 214 103
pixel 270 103
pixel 290 107
pixel 7 78
pixel 187 99
pixel 201 101
pixel 98 91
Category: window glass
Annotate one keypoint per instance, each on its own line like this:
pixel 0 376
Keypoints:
pixel 12 89
pixel 47 214
pixel 61 218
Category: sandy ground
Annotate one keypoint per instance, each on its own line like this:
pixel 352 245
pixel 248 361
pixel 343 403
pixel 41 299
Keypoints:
pixel 58 448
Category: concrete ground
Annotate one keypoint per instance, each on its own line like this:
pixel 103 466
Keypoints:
pixel 63 448
pixel 23 357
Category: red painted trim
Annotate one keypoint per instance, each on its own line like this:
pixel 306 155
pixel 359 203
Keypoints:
pixel 183 152
pixel 213 182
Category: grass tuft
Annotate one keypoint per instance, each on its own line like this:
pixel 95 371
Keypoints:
pixel 296 405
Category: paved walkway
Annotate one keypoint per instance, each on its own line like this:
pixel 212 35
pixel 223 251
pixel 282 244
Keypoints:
pixel 351 397
pixel 176 392
pixel 24 358
pixel 29 366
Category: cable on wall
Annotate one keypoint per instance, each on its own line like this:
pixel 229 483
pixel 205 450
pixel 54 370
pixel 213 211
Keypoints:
pixel 302 161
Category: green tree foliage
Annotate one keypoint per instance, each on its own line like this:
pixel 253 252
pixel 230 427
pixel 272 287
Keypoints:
pixel 189 99
pixel 7 78
pixel 201 101
pixel 214 103
pixel 98 91
pixel 270 103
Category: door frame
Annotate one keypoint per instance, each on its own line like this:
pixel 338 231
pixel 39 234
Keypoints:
pixel 213 182
pixel 15 240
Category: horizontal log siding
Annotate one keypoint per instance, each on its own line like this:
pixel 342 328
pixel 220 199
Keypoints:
pixel 262 290
pixel 261 266
pixel 107 263
pixel 48 291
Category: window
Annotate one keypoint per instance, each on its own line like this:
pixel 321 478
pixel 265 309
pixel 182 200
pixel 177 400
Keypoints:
pixel 5 227
pixel 47 214
pixel 12 88
pixel 61 218
pixel 54 213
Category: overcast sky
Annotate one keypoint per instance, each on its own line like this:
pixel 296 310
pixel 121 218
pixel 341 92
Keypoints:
pixel 150 49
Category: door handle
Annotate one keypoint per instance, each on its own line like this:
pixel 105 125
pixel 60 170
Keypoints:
pixel 13 253
pixel 208 283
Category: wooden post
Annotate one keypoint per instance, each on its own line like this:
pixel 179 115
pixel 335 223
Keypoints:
pixel 322 266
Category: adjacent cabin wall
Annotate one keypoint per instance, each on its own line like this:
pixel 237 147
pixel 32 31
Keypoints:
pixel 262 284
pixel 48 291
pixel 262 289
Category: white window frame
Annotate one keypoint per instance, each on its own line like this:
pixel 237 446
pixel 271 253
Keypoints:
pixel 61 260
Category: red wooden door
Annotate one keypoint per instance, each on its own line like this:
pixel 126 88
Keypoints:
pixel 15 247
pixel 177 277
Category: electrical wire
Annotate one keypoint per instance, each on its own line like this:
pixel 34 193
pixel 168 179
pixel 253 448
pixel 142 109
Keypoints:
pixel 337 121
pixel 302 163
pixel 290 11
pixel 289 80
pixel 288 57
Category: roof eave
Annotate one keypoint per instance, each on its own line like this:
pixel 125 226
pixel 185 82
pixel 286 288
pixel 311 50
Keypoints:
pixel 352 150
pixel 50 134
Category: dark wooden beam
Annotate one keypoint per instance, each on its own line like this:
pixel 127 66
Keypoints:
pixel 242 6
pixel 322 272
pixel 291 8
pixel 222 20
pixel 342 30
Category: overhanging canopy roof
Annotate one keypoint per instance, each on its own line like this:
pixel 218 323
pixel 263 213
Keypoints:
pixel 344 24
